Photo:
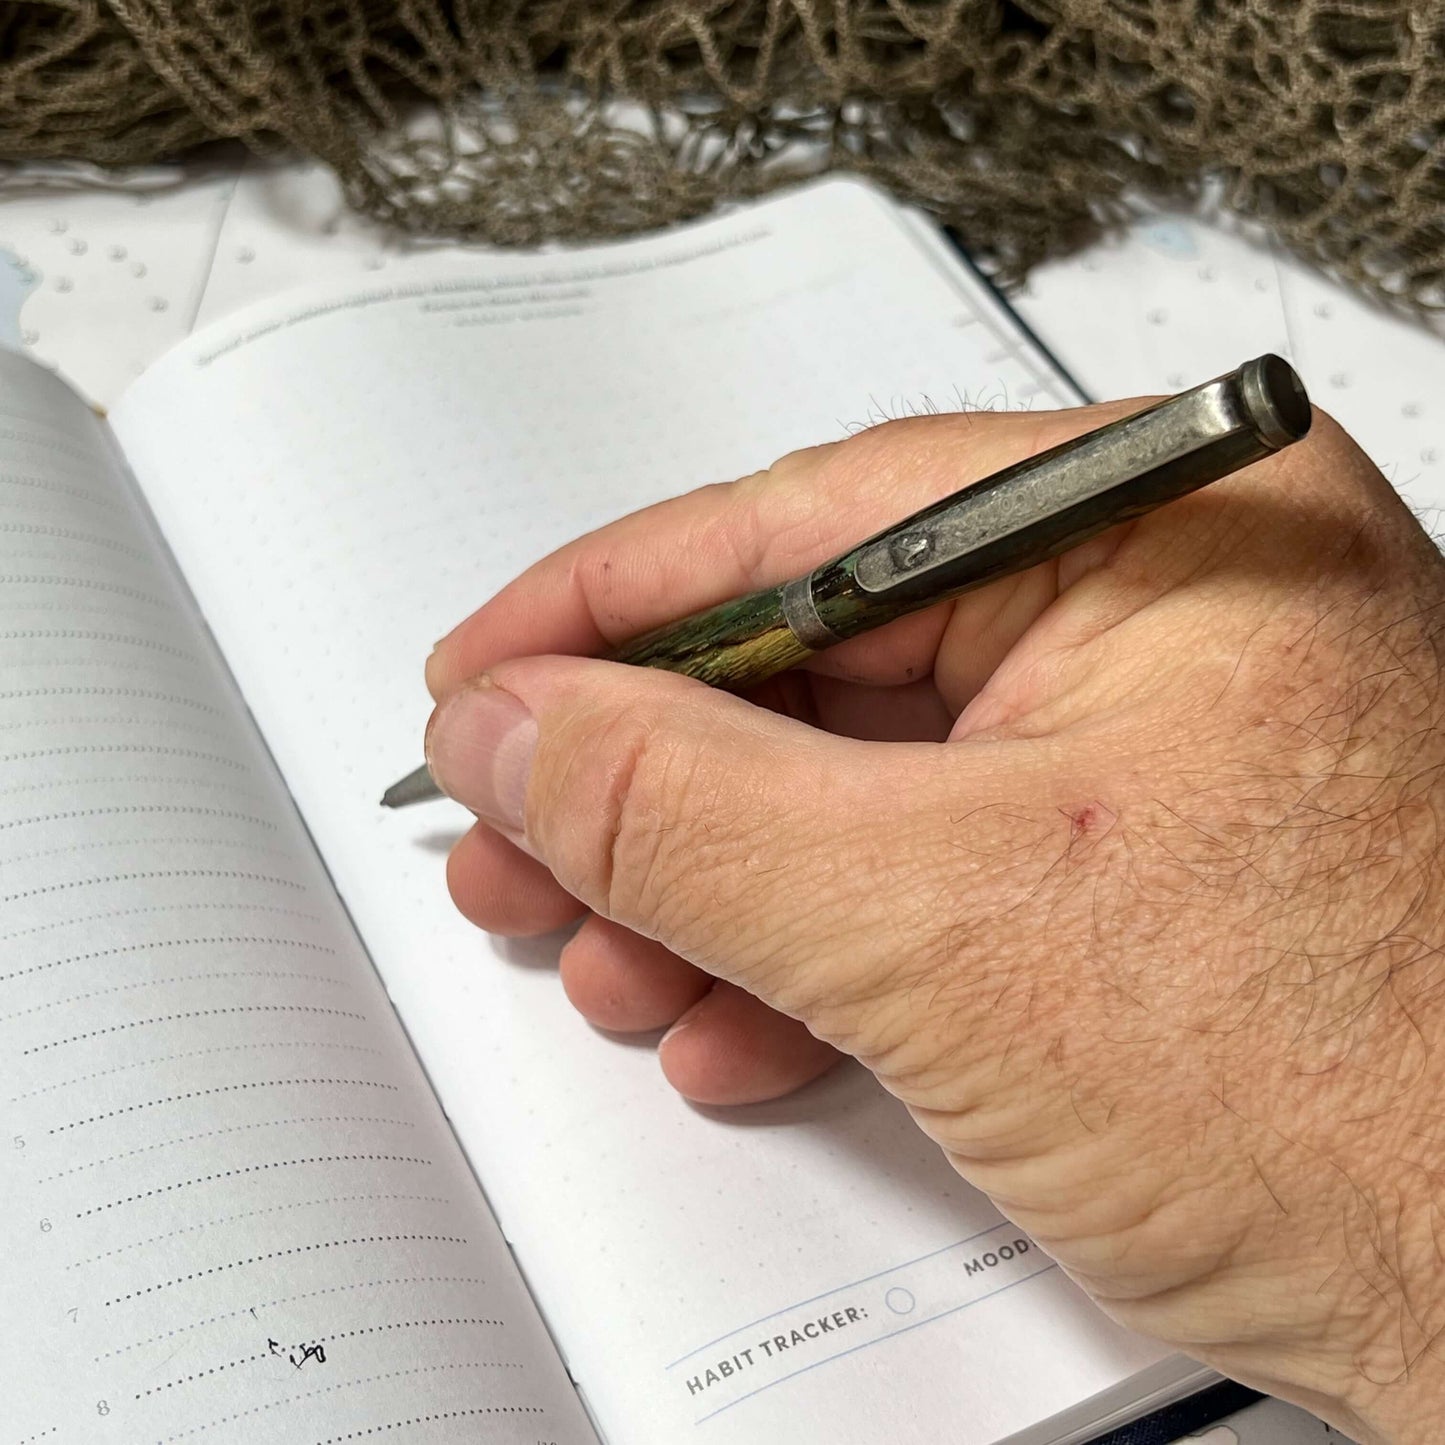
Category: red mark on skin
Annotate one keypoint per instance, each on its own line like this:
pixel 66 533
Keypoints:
pixel 1088 819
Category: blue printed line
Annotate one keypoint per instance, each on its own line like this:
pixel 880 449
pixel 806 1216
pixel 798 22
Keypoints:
pixel 838 1289
pixel 893 1335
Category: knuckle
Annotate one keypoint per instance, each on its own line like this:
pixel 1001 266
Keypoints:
pixel 619 787
pixel 779 516
pixel 640 839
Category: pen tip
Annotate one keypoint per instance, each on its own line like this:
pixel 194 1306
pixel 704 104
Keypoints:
pixel 416 787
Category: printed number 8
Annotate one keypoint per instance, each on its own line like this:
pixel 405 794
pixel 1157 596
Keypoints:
pixel 102 1407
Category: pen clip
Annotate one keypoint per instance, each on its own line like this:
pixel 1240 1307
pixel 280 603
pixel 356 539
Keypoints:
pixel 1074 481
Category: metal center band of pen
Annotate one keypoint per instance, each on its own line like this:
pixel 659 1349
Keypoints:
pixel 1017 518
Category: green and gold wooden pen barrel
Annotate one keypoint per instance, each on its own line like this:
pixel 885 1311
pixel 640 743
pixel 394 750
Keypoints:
pixel 1008 522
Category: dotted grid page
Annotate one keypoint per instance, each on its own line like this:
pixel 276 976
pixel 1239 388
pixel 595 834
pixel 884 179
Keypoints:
pixel 1167 304
pixel 232 1209
pixel 345 474
pixel 1381 376
pixel 1179 298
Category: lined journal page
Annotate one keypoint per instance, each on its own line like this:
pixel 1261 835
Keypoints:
pixel 346 474
pixel 232 1210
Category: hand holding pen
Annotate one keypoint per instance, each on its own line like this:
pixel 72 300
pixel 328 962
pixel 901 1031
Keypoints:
pixel 995 527
pixel 1122 871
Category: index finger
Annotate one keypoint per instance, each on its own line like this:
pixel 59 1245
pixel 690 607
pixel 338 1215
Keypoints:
pixel 723 541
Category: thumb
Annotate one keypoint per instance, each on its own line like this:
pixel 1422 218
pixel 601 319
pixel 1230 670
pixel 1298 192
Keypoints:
pixel 764 851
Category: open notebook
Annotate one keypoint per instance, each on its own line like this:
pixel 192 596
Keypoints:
pixel 290 1152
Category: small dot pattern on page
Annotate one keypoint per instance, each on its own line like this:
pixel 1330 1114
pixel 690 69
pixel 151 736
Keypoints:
pixel 306 1083
pixel 389 1328
pixel 96 993
pixel 1179 298
pixel 324 1201
pixel 405 1282
pixel 313 1044
pixel 290 1122
pixel 213 1129
pixel 378 1378
pixel 100 280
pixel 1393 406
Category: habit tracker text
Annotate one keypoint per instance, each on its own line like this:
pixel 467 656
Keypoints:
pixel 771 1346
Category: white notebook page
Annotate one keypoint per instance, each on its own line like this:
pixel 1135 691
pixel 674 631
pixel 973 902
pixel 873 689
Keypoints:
pixel 232 1209
pixel 343 476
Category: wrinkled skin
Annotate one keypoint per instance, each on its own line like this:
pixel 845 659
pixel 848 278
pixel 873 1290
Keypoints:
pixel 1124 874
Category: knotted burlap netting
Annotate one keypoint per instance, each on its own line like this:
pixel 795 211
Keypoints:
pixel 1022 124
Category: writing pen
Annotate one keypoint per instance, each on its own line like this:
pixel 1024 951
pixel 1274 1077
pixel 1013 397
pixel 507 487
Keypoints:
pixel 1004 524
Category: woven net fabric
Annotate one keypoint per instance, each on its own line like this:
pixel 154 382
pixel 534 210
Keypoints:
pixel 1023 123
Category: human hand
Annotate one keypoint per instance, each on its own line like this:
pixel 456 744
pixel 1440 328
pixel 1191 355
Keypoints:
pixel 1122 874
